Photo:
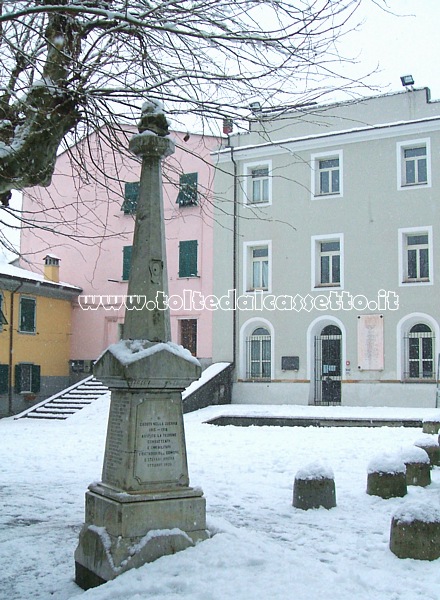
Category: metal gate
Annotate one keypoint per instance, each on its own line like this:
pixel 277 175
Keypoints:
pixel 328 372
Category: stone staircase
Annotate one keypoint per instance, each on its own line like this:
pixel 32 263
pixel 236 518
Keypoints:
pixel 213 387
pixel 67 402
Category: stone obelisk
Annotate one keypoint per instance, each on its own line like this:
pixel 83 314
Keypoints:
pixel 144 507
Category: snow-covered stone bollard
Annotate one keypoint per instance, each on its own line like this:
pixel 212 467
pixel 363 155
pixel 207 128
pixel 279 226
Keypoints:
pixel 418 466
pixel 432 424
pixel 415 531
pixel 314 487
pixel 386 476
pixel 430 444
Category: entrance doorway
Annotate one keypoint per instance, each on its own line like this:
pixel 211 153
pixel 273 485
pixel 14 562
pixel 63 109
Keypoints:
pixel 328 367
pixel 188 334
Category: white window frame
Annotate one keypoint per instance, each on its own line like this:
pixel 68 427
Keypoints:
pixel 248 248
pixel 245 331
pixel 315 174
pixel 316 241
pixel 401 171
pixel 404 233
pixel 260 360
pixel 247 183
pixel 420 359
pixel 402 330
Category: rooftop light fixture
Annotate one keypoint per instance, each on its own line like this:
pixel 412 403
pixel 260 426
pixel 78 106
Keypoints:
pixel 255 107
pixel 407 80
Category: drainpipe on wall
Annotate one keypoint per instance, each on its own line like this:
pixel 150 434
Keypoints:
pixel 11 349
pixel 234 256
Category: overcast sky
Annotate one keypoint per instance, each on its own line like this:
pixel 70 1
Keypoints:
pixel 401 45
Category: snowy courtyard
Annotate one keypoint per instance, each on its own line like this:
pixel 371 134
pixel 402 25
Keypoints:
pixel 261 547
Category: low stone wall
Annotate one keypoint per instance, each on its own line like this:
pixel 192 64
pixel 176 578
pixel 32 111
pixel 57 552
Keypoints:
pixel 248 421
pixel 420 395
pixel 217 390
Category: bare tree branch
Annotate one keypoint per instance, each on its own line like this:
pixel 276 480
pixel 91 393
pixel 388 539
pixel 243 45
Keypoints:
pixel 70 67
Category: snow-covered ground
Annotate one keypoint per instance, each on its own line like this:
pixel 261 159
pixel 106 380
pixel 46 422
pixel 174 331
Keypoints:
pixel 262 547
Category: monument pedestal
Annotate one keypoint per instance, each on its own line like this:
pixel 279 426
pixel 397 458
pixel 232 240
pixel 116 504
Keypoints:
pixel 122 531
pixel 144 507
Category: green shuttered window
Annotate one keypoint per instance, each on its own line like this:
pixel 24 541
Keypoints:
pixel 126 262
pixel 4 377
pixel 27 315
pixel 27 378
pixel 3 320
pixel 188 258
pixel 131 198
pixel 187 190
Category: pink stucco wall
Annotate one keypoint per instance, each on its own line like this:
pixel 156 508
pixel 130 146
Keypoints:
pixel 91 231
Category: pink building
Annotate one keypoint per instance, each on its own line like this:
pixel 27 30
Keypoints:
pixel 92 212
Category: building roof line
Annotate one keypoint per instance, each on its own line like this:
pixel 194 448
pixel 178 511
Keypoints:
pixel 61 286
pixel 293 109
pixel 326 135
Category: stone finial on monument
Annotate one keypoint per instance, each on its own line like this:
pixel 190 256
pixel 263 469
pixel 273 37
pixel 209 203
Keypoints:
pixel 144 507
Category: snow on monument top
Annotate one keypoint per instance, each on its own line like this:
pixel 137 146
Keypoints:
pixel 153 119
pixel 130 351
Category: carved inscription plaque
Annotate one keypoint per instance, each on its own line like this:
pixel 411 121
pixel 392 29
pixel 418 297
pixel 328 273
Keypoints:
pixel 160 452
pixel 370 342
pixel 115 452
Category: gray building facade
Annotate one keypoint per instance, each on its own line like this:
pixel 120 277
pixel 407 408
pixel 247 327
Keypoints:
pixel 326 268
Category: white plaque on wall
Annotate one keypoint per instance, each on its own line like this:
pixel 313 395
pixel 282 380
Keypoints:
pixel 370 343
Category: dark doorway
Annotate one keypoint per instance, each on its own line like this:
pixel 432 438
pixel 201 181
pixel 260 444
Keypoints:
pixel 188 335
pixel 328 371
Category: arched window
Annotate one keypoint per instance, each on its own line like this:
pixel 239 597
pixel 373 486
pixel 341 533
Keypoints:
pixel 258 354
pixel 419 345
pixel 331 330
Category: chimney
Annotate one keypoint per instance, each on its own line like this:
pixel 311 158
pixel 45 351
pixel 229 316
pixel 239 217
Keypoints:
pixel 228 126
pixel 52 268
